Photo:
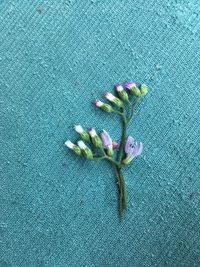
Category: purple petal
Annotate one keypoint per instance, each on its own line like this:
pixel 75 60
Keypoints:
pixel 129 85
pixel 106 139
pixel 129 145
pixel 115 145
pixel 119 86
pixel 138 149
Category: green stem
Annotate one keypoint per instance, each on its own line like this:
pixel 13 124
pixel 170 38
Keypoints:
pixel 123 185
pixel 113 161
pixel 120 208
pixel 133 107
pixel 122 191
pixel 109 159
pixel 117 164
pixel 98 158
pixel 123 137
pixel 117 112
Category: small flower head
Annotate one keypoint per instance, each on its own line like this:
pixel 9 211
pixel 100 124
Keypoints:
pixel 129 85
pixel 73 147
pixel 143 89
pixel 115 100
pixel 107 142
pixel 106 139
pixel 119 87
pixel 78 129
pixel 133 88
pixel 95 138
pixel 132 149
pixel 84 135
pixel 121 92
pixel 98 103
pixel 105 107
pixel 86 151
pixel 69 144
pixel 109 96
pixel 81 144
pixel 92 132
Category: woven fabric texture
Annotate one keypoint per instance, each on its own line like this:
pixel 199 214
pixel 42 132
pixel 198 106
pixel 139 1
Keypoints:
pixel 60 210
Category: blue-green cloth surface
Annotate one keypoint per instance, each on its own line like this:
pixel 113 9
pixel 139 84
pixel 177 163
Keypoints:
pixel 57 209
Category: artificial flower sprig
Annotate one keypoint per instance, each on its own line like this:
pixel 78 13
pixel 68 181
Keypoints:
pixel 101 146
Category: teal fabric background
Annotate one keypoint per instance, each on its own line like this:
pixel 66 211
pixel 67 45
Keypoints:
pixel 55 58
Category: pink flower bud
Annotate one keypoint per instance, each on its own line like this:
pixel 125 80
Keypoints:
pixel 98 103
pixel 115 145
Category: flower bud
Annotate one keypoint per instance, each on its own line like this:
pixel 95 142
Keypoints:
pixel 107 142
pixel 115 100
pixel 84 135
pixel 132 87
pixel 110 151
pixel 77 150
pixel 121 92
pixel 95 138
pixel 144 89
pixel 73 147
pixel 135 91
pixel 86 151
pixel 106 107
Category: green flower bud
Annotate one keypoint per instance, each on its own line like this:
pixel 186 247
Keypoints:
pixel 121 92
pixel 118 102
pixel 73 147
pixel 144 89
pixel 84 135
pixel 115 100
pixel 123 95
pixel 110 151
pixel 96 140
pixel 135 91
pixel 86 151
pixel 106 107
pixel 77 150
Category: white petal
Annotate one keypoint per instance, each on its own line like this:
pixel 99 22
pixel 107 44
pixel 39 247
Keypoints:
pixel 119 88
pixel 78 129
pixel 98 103
pixel 69 144
pixel 109 96
pixel 81 144
pixel 92 132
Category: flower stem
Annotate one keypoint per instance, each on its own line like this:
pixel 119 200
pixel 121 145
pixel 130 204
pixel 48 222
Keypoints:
pixel 98 158
pixel 123 136
pixel 120 208
pixel 113 161
pixel 124 193
pixel 117 164
pixel 133 107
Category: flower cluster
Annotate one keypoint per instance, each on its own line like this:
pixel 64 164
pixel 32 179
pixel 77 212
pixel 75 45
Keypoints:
pixel 122 90
pixel 102 141
pixel 94 146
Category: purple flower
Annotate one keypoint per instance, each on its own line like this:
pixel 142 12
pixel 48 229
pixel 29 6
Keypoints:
pixel 132 149
pixel 106 139
pixel 129 85
pixel 129 142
